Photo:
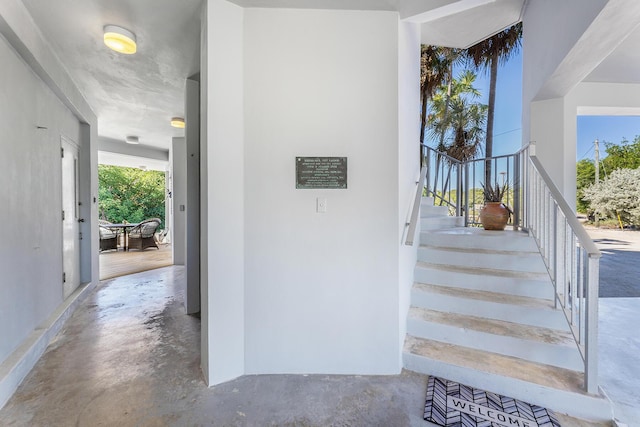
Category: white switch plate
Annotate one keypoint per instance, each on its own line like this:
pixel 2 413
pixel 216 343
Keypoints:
pixel 321 205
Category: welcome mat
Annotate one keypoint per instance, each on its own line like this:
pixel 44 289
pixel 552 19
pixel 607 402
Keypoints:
pixel 451 404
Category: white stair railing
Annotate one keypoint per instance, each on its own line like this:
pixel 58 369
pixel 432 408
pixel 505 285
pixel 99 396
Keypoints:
pixel 571 257
pixel 413 217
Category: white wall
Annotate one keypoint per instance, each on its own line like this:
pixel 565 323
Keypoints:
pixel 222 192
pixel 30 171
pixel 321 290
pixel 205 338
pixel 36 90
pixel 179 200
pixel 408 158
pixel 551 32
pixel 591 98
pixel 192 220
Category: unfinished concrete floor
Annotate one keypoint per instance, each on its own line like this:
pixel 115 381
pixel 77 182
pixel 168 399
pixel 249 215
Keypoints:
pixel 130 357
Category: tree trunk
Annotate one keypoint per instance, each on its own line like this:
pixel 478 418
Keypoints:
pixel 423 122
pixel 490 112
pixel 446 106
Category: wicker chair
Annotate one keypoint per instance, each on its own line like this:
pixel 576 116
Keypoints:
pixel 142 236
pixel 108 237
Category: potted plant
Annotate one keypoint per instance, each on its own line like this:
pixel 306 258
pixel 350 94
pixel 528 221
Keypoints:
pixel 494 215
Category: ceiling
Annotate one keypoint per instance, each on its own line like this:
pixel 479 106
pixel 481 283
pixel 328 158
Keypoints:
pixel 127 161
pixel 130 94
pixel 622 65
pixel 138 94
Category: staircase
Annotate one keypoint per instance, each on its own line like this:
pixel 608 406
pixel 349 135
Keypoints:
pixel 482 314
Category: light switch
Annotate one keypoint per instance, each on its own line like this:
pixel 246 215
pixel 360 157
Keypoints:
pixel 321 205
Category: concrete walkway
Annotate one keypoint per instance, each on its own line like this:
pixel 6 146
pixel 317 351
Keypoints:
pixel 619 340
pixel 130 357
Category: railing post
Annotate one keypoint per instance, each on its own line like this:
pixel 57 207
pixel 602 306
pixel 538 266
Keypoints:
pixel 459 187
pixel 435 175
pixel 428 165
pixel 466 196
pixel 561 254
pixel 591 345
pixel 516 191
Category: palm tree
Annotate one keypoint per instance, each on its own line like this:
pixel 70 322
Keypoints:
pixel 436 65
pixel 487 55
pixel 457 121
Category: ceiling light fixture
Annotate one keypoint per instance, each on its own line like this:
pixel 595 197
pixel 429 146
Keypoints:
pixel 132 140
pixel 177 122
pixel 120 39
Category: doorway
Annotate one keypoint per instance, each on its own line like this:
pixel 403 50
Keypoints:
pixel 70 217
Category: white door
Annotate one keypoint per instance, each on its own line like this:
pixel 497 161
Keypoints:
pixel 70 217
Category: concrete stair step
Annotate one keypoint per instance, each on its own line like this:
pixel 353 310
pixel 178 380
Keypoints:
pixel 431 211
pixel 427 200
pixel 490 305
pixel 534 285
pixel 541 345
pixel 439 222
pixel 551 387
pixel 519 261
pixel 477 238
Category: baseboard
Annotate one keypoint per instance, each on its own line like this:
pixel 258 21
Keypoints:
pixel 18 365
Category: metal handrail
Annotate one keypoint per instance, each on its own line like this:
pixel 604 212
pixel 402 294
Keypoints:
pixel 572 259
pixel 569 254
pixel 439 182
pixel 458 184
pixel 413 221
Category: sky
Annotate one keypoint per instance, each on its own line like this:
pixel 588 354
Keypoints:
pixel 507 136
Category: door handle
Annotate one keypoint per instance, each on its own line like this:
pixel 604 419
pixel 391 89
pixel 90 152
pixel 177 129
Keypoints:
pixel 80 219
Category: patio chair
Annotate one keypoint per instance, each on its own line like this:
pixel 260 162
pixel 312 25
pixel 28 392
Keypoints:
pixel 142 236
pixel 108 236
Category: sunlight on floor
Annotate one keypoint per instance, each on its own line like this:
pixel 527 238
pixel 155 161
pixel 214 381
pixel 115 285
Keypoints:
pixel 114 264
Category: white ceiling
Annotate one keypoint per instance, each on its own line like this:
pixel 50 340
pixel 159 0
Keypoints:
pixel 127 161
pixel 130 94
pixel 473 20
pixel 138 94
pixel 622 65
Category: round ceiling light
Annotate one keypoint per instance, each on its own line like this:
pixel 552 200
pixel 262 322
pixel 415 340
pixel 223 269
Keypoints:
pixel 120 39
pixel 177 122
pixel 132 140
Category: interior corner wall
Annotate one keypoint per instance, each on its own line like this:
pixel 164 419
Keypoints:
pixel 89 245
pixel 222 192
pixel 205 339
pixel 408 159
pixel 192 219
pixel 321 289
pixel 30 170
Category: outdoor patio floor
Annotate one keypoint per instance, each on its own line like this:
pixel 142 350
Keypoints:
pixel 118 263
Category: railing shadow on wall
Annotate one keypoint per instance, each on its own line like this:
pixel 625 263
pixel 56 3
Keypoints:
pixel 538 207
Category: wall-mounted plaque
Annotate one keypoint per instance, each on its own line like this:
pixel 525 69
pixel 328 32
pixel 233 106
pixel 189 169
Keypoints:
pixel 321 172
